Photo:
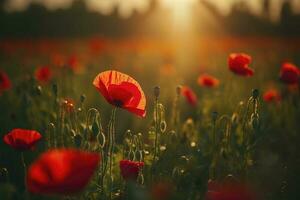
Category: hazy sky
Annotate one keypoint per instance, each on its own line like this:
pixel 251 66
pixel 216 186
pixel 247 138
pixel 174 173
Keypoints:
pixel 126 7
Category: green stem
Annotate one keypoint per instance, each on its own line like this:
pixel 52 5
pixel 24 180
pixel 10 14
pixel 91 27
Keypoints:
pixel 156 137
pixel 111 148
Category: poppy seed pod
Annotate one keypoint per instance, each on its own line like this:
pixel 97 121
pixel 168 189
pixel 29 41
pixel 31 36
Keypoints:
pixel 156 91
pixel 82 98
pixel 78 140
pixel 255 93
pixel 214 116
pixel 54 89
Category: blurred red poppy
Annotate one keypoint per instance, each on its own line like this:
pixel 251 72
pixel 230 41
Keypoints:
pixel 289 73
pixel 239 64
pixel 22 139
pixel 206 80
pixel 162 190
pixel 73 63
pixel 272 95
pixel 229 191
pixel 122 91
pixel 58 59
pixel 61 171
pixel 5 83
pixel 130 169
pixel 190 96
pixel 43 74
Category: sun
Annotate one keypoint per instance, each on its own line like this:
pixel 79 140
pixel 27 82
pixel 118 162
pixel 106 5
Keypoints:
pixel 181 10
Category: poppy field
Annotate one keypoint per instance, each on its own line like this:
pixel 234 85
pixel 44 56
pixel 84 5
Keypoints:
pixel 140 118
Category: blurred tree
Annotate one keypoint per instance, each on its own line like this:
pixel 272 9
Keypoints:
pixel 266 9
pixel 286 11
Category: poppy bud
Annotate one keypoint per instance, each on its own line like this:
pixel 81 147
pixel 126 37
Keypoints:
pixel 214 116
pixel 178 90
pixel 255 121
pixel 54 89
pixel 82 98
pixel 77 140
pixel 95 129
pixel 156 91
pixel 38 90
pixel 234 119
pixel 73 133
pixel 255 93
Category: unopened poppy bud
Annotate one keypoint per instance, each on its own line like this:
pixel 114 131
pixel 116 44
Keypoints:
pixel 95 129
pixel 255 121
pixel 156 91
pixel 214 115
pixel 77 140
pixel 73 133
pixel 54 89
pixel 255 93
pixel 234 119
pixel 178 90
pixel 38 90
pixel 82 98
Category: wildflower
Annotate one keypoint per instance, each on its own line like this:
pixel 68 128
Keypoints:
pixel 121 91
pixel 130 169
pixel 272 95
pixel 239 64
pixel 189 95
pixel 22 139
pixel 5 83
pixel 61 171
pixel 206 80
pixel 289 73
pixel 43 74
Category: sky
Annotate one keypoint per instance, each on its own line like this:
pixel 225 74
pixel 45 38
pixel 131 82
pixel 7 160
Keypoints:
pixel 126 7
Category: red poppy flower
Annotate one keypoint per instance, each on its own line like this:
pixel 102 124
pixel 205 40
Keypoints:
pixel 5 83
pixel 206 80
pixel 239 64
pixel 272 95
pixel 162 191
pixel 43 74
pixel 73 63
pixel 130 169
pixel 122 91
pixel 189 95
pixel 229 191
pixel 289 73
pixel 22 139
pixel 61 171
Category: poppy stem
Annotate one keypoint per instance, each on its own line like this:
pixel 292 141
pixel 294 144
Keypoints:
pixel 23 163
pixel 25 173
pixel 111 127
pixel 156 136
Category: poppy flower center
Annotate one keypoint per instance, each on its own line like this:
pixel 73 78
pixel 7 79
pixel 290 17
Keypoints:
pixel 120 95
pixel 118 103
